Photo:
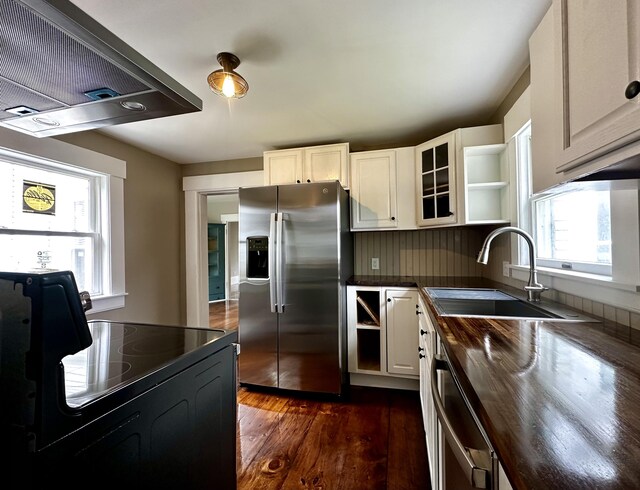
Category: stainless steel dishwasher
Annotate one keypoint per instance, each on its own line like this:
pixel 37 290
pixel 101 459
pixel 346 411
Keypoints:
pixel 466 456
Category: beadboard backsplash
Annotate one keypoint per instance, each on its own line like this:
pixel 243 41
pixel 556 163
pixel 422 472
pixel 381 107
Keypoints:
pixel 443 252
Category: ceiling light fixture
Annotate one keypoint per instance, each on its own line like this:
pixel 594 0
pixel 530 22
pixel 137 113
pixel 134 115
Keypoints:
pixel 227 82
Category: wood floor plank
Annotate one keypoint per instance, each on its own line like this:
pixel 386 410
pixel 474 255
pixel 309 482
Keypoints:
pixel 258 416
pixel 408 465
pixel 345 447
pixel 271 465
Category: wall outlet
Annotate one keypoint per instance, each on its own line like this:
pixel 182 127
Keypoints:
pixel 375 263
pixel 505 268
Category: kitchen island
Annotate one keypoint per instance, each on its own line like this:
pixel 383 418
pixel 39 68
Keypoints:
pixel 558 400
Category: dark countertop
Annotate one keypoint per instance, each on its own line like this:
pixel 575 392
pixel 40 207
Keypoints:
pixel 560 401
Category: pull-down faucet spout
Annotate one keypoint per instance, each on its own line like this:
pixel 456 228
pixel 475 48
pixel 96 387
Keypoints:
pixel 533 288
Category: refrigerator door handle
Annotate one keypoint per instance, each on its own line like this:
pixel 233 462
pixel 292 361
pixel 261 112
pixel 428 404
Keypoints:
pixel 273 238
pixel 280 261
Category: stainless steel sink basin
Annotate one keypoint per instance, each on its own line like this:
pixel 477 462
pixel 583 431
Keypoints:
pixel 493 303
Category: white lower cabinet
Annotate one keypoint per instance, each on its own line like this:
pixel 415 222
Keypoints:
pixel 383 331
pixel 427 347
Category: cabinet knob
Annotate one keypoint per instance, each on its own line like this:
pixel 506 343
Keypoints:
pixel 422 332
pixel 393 218
pixel 309 180
pixel 421 356
pixel 388 300
pixel 633 89
pixel 418 312
pixel 297 181
pixel 420 349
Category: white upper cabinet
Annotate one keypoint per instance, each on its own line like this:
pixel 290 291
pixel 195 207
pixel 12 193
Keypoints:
pixel 459 185
pixel 382 190
pixel 597 45
pixel 310 164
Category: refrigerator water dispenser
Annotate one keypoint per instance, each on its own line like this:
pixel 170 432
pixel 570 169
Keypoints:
pixel 257 257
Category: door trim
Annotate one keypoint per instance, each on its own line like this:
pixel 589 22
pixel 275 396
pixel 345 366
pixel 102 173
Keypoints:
pixel 195 190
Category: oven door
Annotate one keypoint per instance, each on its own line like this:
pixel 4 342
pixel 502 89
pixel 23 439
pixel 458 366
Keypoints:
pixel 467 458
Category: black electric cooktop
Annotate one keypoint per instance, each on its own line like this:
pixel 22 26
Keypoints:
pixel 125 353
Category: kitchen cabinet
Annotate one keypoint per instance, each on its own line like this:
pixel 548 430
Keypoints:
pixel 426 352
pixel 585 77
pixel 441 189
pixel 597 44
pixel 382 190
pixel 305 165
pixel 215 251
pixel 382 331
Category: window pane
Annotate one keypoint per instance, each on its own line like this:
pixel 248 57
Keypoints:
pixel 29 253
pixel 71 206
pixel 575 227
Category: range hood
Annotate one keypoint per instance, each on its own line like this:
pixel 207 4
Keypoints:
pixel 61 72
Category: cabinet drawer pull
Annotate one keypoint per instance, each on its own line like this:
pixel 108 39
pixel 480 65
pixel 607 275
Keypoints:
pixel 309 180
pixel 421 356
pixel 297 181
pixel 393 218
pixel 422 332
pixel 633 89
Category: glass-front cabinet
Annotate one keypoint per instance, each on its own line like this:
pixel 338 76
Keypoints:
pixel 436 182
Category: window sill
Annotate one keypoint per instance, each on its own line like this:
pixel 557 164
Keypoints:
pixel 588 286
pixel 521 272
pixel 107 302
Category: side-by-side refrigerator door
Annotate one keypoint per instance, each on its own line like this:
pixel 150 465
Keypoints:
pixel 258 318
pixel 310 321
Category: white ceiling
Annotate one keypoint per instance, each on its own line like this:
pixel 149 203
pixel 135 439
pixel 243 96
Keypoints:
pixel 374 73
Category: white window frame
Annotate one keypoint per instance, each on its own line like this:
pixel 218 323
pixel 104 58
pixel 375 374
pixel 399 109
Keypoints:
pixel 26 149
pixel 621 288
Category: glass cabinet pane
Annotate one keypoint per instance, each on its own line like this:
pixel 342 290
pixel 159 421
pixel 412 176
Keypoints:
pixel 429 207
pixel 442 180
pixel 442 206
pixel 442 156
pixel 427 184
pixel 427 160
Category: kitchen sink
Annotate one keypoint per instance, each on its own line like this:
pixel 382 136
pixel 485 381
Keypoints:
pixel 493 303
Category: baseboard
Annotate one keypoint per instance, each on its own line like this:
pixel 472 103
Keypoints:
pixel 375 381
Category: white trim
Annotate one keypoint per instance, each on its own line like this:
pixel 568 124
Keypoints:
pixel 223 182
pixel 196 189
pixel 596 288
pixel 58 153
pixel 54 150
pixel 106 303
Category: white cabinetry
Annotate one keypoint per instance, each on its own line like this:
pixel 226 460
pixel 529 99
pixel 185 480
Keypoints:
pixel 487 178
pixel 599 49
pixel 310 164
pixel 442 186
pixel 382 190
pixel 427 348
pixel 585 81
pixel 402 335
pixel 383 331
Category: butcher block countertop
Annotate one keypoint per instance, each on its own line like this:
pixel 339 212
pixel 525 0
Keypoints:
pixel 559 401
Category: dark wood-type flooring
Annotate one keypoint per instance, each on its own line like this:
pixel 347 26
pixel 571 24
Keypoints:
pixel 374 440
pixel 224 314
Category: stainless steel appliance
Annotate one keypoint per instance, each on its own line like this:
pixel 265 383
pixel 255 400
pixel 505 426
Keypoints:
pixel 467 459
pixel 62 72
pixel 296 254
pixel 119 405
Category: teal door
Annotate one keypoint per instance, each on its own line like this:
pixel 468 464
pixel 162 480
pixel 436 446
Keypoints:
pixel 216 260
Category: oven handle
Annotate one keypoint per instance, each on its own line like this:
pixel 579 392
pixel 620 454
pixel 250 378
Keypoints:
pixel 467 458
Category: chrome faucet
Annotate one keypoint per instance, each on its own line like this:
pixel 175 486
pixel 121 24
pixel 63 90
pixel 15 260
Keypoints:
pixel 533 288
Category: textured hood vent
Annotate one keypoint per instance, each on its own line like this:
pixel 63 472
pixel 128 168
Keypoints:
pixel 60 72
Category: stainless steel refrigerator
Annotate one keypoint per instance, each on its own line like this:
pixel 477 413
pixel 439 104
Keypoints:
pixel 296 254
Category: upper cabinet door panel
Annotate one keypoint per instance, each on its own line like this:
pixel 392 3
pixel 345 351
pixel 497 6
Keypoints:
pixel 373 190
pixel 598 45
pixel 282 167
pixel 324 163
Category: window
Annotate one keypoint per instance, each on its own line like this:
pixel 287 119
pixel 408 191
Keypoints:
pixel 72 217
pixel 50 218
pixel 573 231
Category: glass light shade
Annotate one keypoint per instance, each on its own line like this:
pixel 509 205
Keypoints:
pixel 228 84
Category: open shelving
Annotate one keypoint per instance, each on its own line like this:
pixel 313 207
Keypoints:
pixel 486 184
pixel 368 328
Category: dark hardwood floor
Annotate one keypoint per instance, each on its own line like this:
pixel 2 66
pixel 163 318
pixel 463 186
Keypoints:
pixel 224 314
pixel 373 440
